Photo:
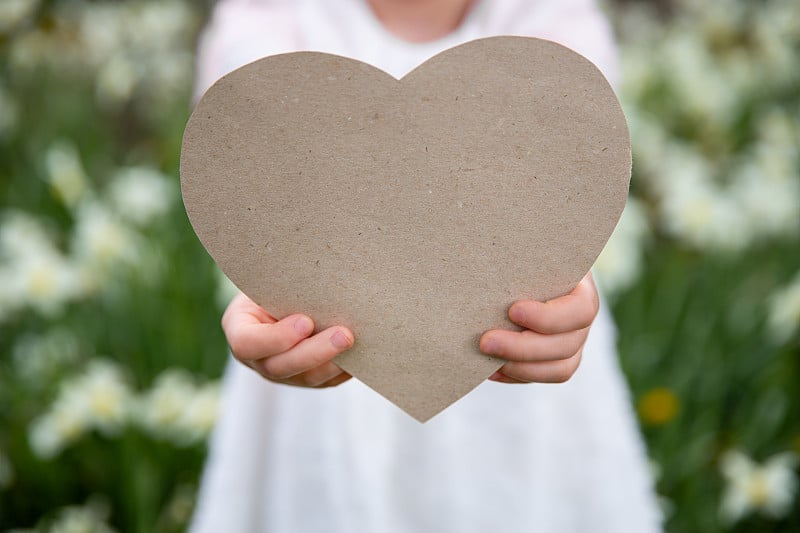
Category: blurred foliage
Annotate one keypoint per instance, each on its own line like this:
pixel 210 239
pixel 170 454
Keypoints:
pixel 109 307
pixel 98 264
pixel 706 286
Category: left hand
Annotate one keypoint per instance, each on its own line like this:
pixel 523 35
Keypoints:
pixel 549 349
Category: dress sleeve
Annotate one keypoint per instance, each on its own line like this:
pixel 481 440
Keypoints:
pixel 241 31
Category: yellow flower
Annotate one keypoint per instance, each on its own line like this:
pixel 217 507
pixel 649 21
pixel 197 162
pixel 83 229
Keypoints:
pixel 658 406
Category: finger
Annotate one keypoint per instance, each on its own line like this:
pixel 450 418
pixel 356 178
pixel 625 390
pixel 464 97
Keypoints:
pixel 338 380
pixel 502 378
pixel 529 346
pixel 307 354
pixel 571 312
pixel 240 321
pixel 242 304
pixel 251 339
pixel 542 372
pixel 316 376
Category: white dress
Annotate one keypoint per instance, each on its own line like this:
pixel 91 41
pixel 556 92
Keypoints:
pixel 506 458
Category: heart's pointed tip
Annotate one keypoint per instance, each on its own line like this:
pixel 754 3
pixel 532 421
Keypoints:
pixel 425 415
pixel 422 420
pixel 424 400
pixel 422 407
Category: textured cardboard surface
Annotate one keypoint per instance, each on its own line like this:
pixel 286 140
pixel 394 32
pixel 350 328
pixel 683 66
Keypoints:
pixel 414 211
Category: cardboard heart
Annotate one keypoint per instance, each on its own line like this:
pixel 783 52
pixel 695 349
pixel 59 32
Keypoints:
pixel 414 211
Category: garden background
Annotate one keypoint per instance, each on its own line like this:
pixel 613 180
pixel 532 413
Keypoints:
pixel 110 345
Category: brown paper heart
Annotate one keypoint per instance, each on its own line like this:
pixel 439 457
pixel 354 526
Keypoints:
pixel 413 211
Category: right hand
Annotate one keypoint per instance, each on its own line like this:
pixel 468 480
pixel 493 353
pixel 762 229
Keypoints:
pixel 285 351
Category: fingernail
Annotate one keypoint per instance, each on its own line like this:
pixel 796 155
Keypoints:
pixel 491 346
pixel 517 314
pixel 303 325
pixel 340 340
pixel 497 376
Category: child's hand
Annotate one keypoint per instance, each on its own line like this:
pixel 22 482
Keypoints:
pixel 281 350
pixel 549 349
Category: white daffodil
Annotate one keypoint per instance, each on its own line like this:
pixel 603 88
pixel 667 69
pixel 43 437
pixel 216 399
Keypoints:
pixel 14 12
pixel 143 45
pixel 704 215
pixel 85 519
pixel 767 488
pixel 770 206
pixel 97 399
pixel 64 424
pixel 160 25
pixel 783 317
pixel 35 273
pixel 620 262
pixel 22 234
pixel 66 174
pixel 101 29
pixel 117 79
pixel 774 42
pixel 741 71
pixel 650 143
pixel 104 394
pixel 100 237
pixel 29 49
pixel 160 409
pixel 177 409
pixel 44 440
pixel 44 281
pixel 201 414
pixel 638 72
pixel 696 77
pixel 101 243
pixel 171 74
pixel 141 194
pixel 718 20
pixel 777 128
